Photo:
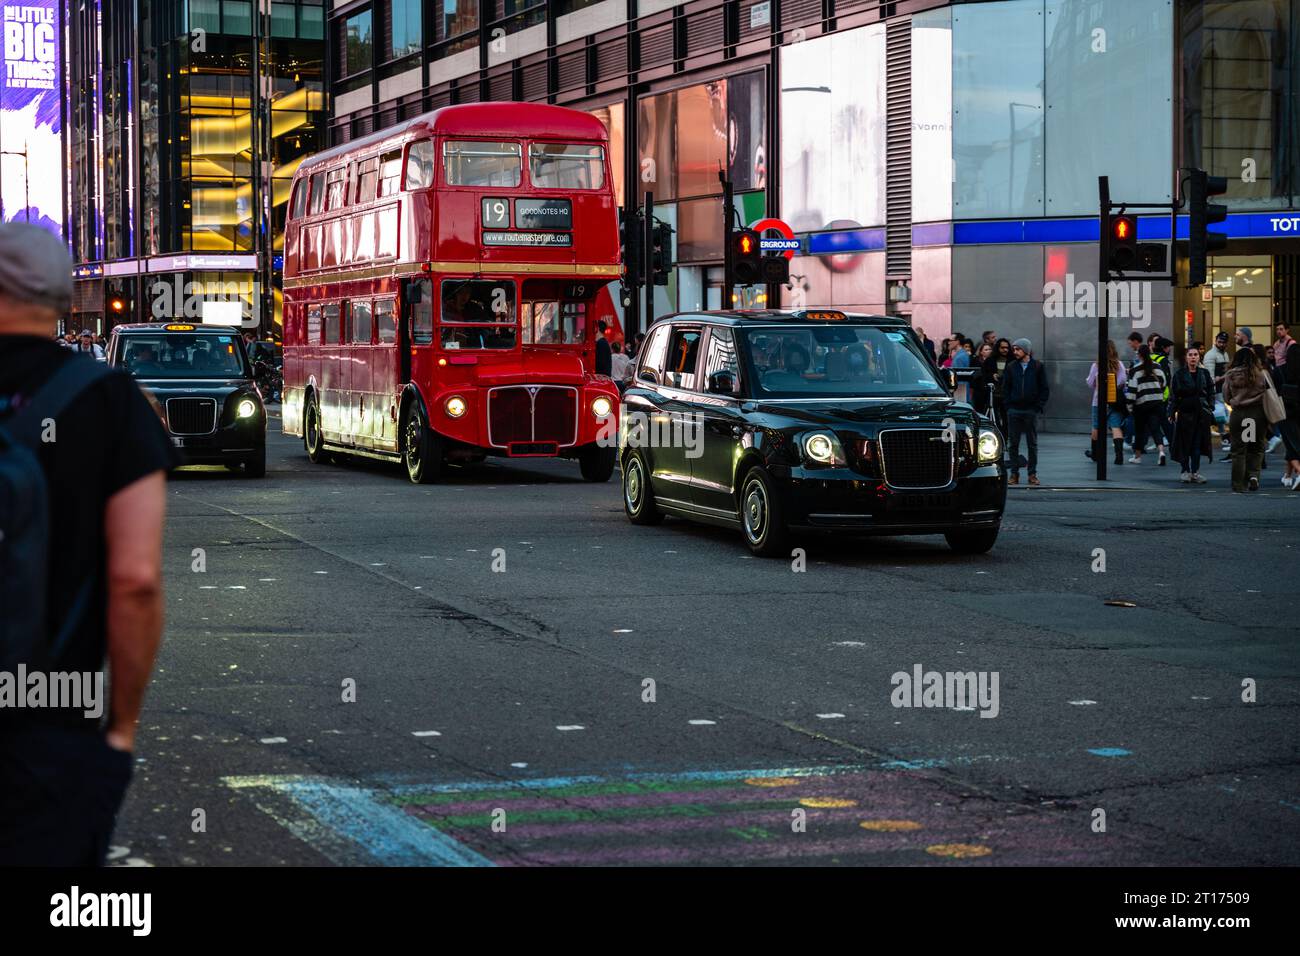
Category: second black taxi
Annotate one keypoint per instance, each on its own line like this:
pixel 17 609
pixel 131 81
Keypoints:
pixel 774 422
pixel 203 383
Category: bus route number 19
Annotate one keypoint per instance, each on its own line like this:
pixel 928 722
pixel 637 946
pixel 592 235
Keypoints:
pixel 496 213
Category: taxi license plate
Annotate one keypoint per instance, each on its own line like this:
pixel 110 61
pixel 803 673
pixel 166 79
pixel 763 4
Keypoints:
pixel 178 442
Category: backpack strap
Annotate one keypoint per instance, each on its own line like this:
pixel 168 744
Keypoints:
pixel 73 378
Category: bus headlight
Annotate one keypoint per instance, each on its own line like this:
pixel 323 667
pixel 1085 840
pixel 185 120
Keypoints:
pixel 989 445
pixel 246 408
pixel 823 448
pixel 455 406
pixel 601 407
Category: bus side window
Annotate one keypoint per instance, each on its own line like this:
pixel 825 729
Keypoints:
pixel 359 319
pixel 367 179
pixel 313 325
pixel 419 165
pixel 317 194
pixel 385 322
pixel 390 172
pixel 334 187
pixel 331 315
pixel 299 199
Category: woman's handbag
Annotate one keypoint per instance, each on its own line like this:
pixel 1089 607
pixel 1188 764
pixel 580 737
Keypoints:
pixel 1274 410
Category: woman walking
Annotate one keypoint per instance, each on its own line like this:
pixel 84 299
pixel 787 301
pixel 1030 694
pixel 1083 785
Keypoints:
pixel 1287 380
pixel 993 367
pixel 1145 393
pixel 1243 390
pixel 1116 379
pixel 1191 396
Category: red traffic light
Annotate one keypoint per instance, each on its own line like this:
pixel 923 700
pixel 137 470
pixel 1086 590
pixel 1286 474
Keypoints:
pixel 117 305
pixel 745 243
pixel 1124 228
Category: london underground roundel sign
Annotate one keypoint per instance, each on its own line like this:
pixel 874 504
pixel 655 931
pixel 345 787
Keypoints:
pixel 786 245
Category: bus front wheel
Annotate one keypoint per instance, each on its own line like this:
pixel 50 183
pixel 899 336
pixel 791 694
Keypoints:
pixel 422 451
pixel 596 462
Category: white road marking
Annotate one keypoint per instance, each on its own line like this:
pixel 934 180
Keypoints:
pixel 1081 703
pixel 829 716
pixel 570 727
pixel 849 643
pixel 519 766
pixel 274 740
pixel 426 733
pixel 235 587
pixel 702 723
pixel 622 630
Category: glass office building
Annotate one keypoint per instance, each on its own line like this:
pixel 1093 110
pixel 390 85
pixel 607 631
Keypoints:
pixel 937 160
pixel 185 121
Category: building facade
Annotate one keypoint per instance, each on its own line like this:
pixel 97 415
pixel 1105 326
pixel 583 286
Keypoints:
pixel 937 160
pixel 184 123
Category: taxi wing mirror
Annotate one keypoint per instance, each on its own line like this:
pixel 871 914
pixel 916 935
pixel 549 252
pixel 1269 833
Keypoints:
pixel 648 375
pixel 721 383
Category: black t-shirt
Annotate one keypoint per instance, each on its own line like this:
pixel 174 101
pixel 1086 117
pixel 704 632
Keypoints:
pixel 604 355
pixel 108 438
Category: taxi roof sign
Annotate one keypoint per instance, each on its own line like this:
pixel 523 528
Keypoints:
pixel 825 315
pixel 175 327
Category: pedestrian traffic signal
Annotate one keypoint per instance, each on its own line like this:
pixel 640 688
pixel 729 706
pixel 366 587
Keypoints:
pixel 776 270
pixel 1123 244
pixel 746 267
pixel 629 234
pixel 1202 213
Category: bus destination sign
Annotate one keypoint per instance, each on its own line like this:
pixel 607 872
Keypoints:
pixel 527 239
pixel 543 214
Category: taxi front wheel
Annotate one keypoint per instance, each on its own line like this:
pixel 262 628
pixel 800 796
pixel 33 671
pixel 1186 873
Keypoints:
pixel 762 516
pixel 638 499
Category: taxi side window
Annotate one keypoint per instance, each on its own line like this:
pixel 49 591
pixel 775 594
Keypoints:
pixel 720 356
pixel 683 355
pixel 654 352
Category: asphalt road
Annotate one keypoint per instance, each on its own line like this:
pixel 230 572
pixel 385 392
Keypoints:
pixel 504 716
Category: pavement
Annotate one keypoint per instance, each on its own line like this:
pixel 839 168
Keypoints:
pixel 1062 464
pixel 501 670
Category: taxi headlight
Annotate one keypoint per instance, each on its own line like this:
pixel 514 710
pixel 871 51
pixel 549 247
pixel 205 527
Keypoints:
pixel 455 406
pixel 989 446
pixel 823 448
pixel 246 408
pixel 601 407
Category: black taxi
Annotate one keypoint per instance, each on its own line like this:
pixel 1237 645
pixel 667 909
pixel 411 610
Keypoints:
pixel 773 422
pixel 203 384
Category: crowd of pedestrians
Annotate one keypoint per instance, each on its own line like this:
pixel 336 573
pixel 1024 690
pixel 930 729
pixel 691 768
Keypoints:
pixel 1239 400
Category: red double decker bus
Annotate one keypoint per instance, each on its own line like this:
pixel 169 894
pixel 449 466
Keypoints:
pixel 440 280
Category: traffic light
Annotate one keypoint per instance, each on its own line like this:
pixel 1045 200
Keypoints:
pixel 1202 213
pixel 629 234
pixel 117 305
pixel 746 265
pixel 1123 244
pixel 662 260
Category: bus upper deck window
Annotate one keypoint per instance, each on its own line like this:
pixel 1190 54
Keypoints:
pixel 367 179
pixel 566 166
pixel 481 163
pixel 390 172
pixel 419 165
pixel 317 202
pixel 299 199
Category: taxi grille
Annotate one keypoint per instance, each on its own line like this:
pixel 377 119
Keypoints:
pixel 191 416
pixel 532 414
pixel 916 458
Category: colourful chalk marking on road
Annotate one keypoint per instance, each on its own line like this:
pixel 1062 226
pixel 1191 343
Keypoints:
pixel 655 818
pixel 1110 752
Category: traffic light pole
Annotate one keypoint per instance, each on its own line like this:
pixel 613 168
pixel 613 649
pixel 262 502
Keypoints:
pixel 728 279
pixel 648 259
pixel 1103 321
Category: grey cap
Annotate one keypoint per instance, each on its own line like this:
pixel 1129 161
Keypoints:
pixel 34 266
pixel 1023 344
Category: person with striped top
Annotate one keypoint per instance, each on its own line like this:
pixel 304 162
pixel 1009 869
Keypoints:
pixel 1145 392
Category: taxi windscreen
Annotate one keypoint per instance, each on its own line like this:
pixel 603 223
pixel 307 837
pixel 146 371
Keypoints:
pixel 171 355
pixel 840 362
